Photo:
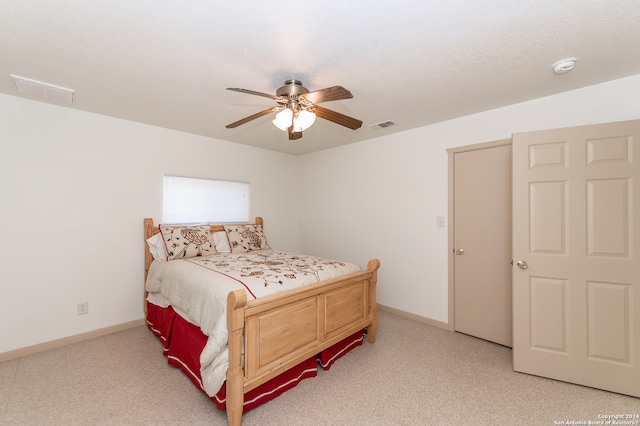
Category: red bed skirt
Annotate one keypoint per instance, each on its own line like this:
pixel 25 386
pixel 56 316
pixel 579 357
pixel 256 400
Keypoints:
pixel 183 342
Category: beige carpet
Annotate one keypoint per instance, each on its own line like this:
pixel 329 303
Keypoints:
pixel 414 374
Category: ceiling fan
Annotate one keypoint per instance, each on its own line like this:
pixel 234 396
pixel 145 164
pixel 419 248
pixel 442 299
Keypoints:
pixel 297 108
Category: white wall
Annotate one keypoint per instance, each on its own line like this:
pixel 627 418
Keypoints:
pixel 74 189
pixel 380 198
pixel 75 186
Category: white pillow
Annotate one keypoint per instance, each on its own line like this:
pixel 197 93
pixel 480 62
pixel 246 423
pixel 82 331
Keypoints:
pixel 157 248
pixel 221 242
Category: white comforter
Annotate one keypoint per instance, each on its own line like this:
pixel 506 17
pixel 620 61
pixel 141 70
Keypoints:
pixel 198 288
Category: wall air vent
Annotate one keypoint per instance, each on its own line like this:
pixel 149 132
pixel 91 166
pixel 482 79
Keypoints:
pixel 382 124
pixel 38 89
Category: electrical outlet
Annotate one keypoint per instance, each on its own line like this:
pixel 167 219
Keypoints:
pixel 83 308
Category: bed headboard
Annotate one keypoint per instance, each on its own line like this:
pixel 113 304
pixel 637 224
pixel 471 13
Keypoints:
pixel 150 230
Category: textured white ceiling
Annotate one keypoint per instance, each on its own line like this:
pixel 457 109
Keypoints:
pixel 414 62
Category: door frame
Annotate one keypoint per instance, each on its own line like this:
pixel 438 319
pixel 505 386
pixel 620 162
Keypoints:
pixel 451 215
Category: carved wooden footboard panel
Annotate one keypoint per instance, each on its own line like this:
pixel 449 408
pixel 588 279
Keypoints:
pixel 283 330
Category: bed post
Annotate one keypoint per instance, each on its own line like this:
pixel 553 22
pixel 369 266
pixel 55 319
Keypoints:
pixel 373 266
pixel 236 302
pixel 148 233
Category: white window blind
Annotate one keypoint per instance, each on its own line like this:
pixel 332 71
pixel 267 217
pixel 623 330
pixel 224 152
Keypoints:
pixel 193 200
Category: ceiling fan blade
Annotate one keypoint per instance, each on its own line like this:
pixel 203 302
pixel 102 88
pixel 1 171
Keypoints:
pixel 336 117
pixel 251 117
pixel 293 135
pixel 333 93
pixel 253 92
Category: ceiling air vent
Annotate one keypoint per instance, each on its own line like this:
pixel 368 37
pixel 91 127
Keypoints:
pixel 382 124
pixel 38 89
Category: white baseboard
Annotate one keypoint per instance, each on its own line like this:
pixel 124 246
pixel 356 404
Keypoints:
pixel 52 344
pixel 414 317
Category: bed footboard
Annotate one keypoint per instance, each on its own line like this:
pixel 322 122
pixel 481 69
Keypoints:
pixel 283 330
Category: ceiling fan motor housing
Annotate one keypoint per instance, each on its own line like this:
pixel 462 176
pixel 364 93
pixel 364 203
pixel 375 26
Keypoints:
pixel 292 89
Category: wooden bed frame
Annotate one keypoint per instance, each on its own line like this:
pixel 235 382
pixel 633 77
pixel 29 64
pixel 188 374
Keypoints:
pixel 283 330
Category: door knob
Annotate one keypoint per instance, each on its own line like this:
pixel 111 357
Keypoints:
pixel 459 252
pixel 522 264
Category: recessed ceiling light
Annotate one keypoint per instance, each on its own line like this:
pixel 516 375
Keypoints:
pixel 564 65
pixel 39 89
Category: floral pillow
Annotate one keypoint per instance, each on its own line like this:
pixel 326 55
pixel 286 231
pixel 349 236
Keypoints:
pixel 244 238
pixel 182 243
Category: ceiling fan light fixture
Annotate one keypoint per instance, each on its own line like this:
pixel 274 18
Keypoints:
pixel 297 108
pixel 283 119
pixel 303 121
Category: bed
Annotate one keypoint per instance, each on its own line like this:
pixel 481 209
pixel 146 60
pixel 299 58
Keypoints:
pixel 262 331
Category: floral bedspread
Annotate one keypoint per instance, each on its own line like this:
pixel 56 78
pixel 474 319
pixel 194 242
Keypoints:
pixel 266 272
pixel 198 287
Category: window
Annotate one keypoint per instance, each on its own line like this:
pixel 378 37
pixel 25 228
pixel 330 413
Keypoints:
pixel 192 200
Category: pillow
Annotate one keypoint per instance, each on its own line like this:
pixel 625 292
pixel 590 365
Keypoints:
pixel 244 238
pixel 221 242
pixel 190 241
pixel 157 247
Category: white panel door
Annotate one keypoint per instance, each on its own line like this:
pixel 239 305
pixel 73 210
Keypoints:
pixel 576 242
